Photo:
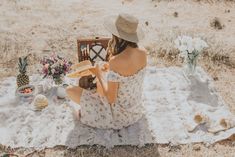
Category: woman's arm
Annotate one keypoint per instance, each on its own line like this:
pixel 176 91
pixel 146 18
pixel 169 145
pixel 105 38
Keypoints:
pixel 110 89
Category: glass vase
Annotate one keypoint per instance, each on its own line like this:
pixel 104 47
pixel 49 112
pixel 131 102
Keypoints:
pixel 61 92
pixel 191 63
pixel 58 81
pixel 191 67
pixel 60 89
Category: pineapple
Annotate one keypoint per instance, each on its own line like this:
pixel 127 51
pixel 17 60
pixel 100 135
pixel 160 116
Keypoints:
pixel 22 78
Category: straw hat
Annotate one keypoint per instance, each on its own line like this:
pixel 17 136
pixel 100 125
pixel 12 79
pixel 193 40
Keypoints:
pixel 124 26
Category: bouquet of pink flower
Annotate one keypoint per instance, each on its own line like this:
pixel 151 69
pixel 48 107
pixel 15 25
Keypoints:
pixel 55 67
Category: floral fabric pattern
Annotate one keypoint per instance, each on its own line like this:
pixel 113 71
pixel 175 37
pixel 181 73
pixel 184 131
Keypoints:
pixel 127 109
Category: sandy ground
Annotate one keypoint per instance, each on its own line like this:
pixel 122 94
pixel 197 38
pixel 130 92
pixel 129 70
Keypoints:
pixel 44 26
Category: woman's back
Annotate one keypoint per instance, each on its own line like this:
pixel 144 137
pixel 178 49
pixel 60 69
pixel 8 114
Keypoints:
pixel 127 108
pixel 128 70
pixel 129 62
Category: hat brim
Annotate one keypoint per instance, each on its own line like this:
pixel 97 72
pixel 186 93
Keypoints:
pixel 109 24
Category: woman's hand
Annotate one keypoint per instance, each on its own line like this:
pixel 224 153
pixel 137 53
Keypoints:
pixel 105 67
pixel 99 68
pixel 96 70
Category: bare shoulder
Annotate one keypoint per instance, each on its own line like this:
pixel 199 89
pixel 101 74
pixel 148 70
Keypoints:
pixel 115 62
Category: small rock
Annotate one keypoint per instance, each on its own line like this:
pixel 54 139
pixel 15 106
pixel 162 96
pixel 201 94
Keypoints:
pixel 196 147
pixel 232 138
pixel 175 14
pixel 216 78
pixel 146 23
pixel 215 23
pixel 174 148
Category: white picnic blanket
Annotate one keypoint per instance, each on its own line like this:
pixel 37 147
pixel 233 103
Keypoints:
pixel 171 101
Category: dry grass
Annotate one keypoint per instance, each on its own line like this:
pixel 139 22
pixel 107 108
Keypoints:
pixel 150 150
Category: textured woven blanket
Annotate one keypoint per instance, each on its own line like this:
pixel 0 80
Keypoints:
pixel 178 109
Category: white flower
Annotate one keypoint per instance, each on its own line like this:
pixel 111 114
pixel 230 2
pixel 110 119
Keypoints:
pixel 186 40
pixel 181 44
pixel 183 48
pixel 199 44
pixel 52 71
pixel 184 43
pixel 190 47
pixel 189 44
pixel 177 43
pixel 55 65
pixel 60 62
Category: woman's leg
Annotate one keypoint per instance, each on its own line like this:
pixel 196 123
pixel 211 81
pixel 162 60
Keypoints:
pixel 74 93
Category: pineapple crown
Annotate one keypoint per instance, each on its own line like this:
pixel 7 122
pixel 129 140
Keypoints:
pixel 23 63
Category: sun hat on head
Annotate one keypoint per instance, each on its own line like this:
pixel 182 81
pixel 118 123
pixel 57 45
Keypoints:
pixel 124 26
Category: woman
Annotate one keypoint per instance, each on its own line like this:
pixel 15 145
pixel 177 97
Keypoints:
pixel 121 103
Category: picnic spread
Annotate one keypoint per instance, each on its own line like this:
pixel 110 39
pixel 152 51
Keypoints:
pixel 178 108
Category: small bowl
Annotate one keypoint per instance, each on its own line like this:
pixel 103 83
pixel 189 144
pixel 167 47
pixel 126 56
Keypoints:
pixel 20 89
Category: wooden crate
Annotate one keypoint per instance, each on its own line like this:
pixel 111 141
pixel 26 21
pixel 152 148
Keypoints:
pixel 97 48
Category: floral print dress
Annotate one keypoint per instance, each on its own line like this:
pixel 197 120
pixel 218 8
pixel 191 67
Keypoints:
pixel 127 109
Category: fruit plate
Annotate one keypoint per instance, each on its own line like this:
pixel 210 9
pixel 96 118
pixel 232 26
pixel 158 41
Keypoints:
pixel 25 91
